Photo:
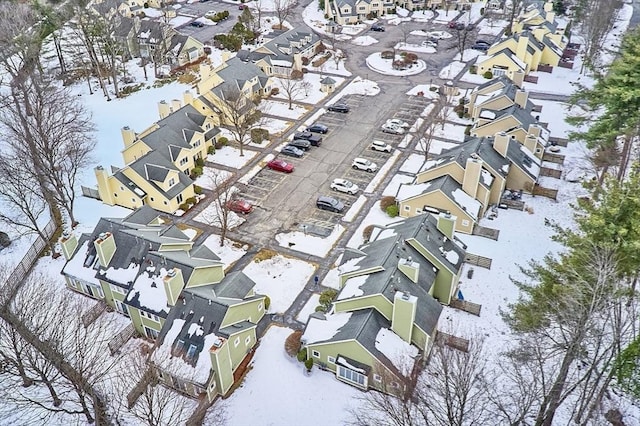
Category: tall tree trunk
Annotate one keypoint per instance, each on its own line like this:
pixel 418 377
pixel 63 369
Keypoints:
pixel 551 400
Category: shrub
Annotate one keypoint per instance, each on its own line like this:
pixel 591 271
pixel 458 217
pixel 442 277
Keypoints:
pixel 459 109
pixel 190 200
pixel 305 61
pixel 292 343
pixel 326 297
pixel 199 162
pixel 309 364
pixel 196 172
pixel 387 54
pixel 387 201
pixel 302 355
pixel 473 69
pixel 392 211
pixel 221 142
pixel 197 189
pixel 320 308
pixel 366 232
pixel 467 130
pixel 258 135
pixel 184 207
pixel 211 149
pixel 275 91
pixel 433 88
pixel 267 303
pixel 296 75
pixel 488 75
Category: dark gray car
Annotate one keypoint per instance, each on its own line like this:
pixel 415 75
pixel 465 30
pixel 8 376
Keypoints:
pixel 330 204
pixel 318 128
pixel 314 138
pixel 302 144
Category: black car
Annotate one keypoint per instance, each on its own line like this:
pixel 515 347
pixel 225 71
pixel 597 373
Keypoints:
pixel 483 42
pixel 302 144
pixel 330 204
pixel 318 128
pixel 377 27
pixel 314 138
pixel 339 108
pixel 196 24
pixel 481 47
pixel 292 151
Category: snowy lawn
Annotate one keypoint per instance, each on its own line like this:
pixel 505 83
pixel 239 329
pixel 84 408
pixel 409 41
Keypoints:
pixel 450 131
pixel 383 66
pixel 413 163
pixel 424 90
pixel 316 399
pixel 229 253
pixel 281 278
pixel 331 68
pixel 230 156
pixel 452 70
pixel 312 94
pixel 307 243
pixel 211 177
pixel 436 146
pixel 212 215
pixel 308 308
pixel 364 41
pixel 281 109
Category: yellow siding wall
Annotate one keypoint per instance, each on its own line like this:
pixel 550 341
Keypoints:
pixel 438 200
pixel 452 169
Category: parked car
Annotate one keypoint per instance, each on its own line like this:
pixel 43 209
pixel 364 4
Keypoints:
pixel 392 129
pixel 280 166
pixel 483 42
pixel 242 6
pixel 318 128
pixel 480 47
pixel 292 151
pixel 339 108
pixel 196 24
pixel 397 122
pixel 364 164
pixel 330 204
pixel 452 24
pixel 378 27
pixel 210 14
pixel 429 43
pixel 439 35
pixel 314 138
pixel 381 146
pixel 344 185
pixel 240 206
pixel 302 144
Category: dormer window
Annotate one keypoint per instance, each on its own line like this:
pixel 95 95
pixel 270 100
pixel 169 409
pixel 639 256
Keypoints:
pixel 191 353
pixel 172 181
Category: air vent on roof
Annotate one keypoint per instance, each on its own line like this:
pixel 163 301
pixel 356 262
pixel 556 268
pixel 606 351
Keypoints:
pixel 171 273
pixel 217 343
pixel 406 296
pixel 102 235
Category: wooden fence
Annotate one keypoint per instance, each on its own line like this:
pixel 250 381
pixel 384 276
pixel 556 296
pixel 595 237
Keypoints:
pixel 463 305
pixel 28 260
pixel 553 158
pixel 512 204
pixel 481 261
pixel 90 192
pixel 483 231
pixel 545 192
pixel 452 341
pixel 531 79
pixel 554 140
pixel 545 171
pixel 96 310
pixel 119 339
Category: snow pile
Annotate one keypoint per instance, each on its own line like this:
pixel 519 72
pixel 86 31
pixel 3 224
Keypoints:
pixel 399 352
pixel 319 330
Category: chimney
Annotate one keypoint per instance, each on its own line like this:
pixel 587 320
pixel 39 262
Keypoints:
pixel 535 129
pixel 164 109
pixel 410 268
pixel 175 105
pixel 69 243
pixel 523 42
pixel 104 190
pixel 173 284
pixel 471 178
pixel 403 315
pixel 501 143
pixel 531 143
pixel 105 246
pixel 446 224
pixel 205 71
pixel 226 55
pixel 187 97
pixel 518 78
pixel 128 136
pixel 521 98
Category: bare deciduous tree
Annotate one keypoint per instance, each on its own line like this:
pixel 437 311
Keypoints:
pixel 282 9
pixel 218 213
pixel 292 87
pixel 597 20
pixel 240 114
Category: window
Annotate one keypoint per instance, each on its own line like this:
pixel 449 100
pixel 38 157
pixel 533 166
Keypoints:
pixel 184 161
pixel 247 341
pixel 172 182
pixel 133 200
pixel 192 351
pixel 377 378
pixel 117 289
pixel 351 376
pixel 260 307
pixel 121 307
pixel 121 188
pixel 197 144
pixel 465 222
pixel 407 208
pixel 315 354
pixel 395 385
pixel 165 202
pixel 179 346
pixel 419 211
pixel 151 198
pixel 115 195
pixel 149 316
pixel 236 342
pixel 212 386
pixel 179 198
pixel 151 333
pixel 331 360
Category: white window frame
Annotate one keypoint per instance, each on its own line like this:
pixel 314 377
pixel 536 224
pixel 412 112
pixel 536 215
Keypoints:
pixel 247 341
pixel 351 376
pixel 315 353
pixel 117 289
pixel 148 331
pixel 407 208
pixel 236 342
pixel 121 307
pixel 465 222
pixel 331 360
pixel 377 378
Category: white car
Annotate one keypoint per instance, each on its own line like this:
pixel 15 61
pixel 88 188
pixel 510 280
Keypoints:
pixel 210 14
pixel 442 35
pixel 344 185
pixel 397 122
pixel 429 43
pixel 394 130
pixel 381 146
pixel 364 164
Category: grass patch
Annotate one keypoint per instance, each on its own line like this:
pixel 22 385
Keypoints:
pixel 264 254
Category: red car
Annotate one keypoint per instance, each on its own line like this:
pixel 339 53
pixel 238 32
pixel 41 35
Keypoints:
pixel 280 165
pixel 240 206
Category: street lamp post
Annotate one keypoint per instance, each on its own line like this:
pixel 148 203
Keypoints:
pixel 304 229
